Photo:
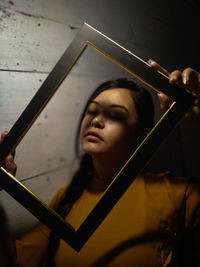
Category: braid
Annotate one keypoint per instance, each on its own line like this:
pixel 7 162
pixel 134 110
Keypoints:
pixel 80 181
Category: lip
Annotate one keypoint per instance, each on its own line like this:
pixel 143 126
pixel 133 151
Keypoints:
pixel 92 135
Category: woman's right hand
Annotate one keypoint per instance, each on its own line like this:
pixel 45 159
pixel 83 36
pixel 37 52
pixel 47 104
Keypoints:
pixel 9 163
pixel 189 79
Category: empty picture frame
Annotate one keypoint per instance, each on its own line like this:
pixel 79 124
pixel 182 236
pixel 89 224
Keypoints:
pixel 183 100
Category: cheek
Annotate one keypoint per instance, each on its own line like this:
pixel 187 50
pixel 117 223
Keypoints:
pixel 82 130
pixel 84 125
pixel 121 134
pixel 131 135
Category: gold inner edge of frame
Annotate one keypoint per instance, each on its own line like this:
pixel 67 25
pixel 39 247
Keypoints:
pixel 146 137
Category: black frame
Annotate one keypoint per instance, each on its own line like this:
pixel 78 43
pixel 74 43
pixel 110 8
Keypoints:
pixel 183 100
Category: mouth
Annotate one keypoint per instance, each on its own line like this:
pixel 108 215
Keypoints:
pixel 93 136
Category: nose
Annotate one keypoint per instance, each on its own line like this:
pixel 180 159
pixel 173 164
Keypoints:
pixel 97 122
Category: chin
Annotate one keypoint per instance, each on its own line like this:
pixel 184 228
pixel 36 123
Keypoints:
pixel 96 149
pixel 90 147
pixel 93 151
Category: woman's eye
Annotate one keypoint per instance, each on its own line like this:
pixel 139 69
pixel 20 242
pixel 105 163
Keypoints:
pixel 116 116
pixel 92 112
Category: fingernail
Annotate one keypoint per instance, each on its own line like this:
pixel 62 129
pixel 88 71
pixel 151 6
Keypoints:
pixel 184 80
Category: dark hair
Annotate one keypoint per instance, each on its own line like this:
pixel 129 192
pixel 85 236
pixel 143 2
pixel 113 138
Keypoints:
pixel 145 110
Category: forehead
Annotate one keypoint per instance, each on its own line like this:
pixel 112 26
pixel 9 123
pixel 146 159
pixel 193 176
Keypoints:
pixel 118 96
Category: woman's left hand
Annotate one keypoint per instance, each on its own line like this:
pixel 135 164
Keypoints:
pixel 188 79
pixel 9 163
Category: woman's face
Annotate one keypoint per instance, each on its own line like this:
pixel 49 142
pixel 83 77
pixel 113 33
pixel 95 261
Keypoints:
pixel 110 125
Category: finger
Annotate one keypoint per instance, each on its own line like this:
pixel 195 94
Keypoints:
pixel 190 77
pixel 10 165
pixel 165 101
pixel 8 162
pixel 3 135
pixel 158 67
pixel 176 77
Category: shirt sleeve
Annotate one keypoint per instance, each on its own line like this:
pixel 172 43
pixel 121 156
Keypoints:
pixel 190 244
pixel 192 218
pixel 31 247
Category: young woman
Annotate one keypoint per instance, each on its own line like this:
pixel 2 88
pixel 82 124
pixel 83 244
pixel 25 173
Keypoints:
pixel 147 225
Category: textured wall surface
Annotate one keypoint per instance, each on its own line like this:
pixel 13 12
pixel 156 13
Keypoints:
pixel 33 36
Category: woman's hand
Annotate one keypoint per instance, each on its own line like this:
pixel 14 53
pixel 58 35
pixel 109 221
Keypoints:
pixel 188 79
pixel 8 163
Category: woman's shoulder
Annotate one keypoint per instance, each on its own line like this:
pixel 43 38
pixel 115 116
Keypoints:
pixel 164 178
pixel 174 186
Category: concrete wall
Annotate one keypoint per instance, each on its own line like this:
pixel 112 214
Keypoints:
pixel 33 36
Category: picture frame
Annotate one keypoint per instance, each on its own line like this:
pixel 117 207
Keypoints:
pixel 182 101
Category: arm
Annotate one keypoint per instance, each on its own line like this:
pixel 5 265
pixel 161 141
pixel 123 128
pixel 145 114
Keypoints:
pixel 190 243
pixel 32 247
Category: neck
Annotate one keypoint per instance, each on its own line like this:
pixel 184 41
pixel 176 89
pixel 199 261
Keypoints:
pixel 106 169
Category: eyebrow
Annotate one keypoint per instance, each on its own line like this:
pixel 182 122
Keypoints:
pixel 111 105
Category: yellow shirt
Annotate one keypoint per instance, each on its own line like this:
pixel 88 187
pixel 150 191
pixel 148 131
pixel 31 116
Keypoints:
pixel 143 229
